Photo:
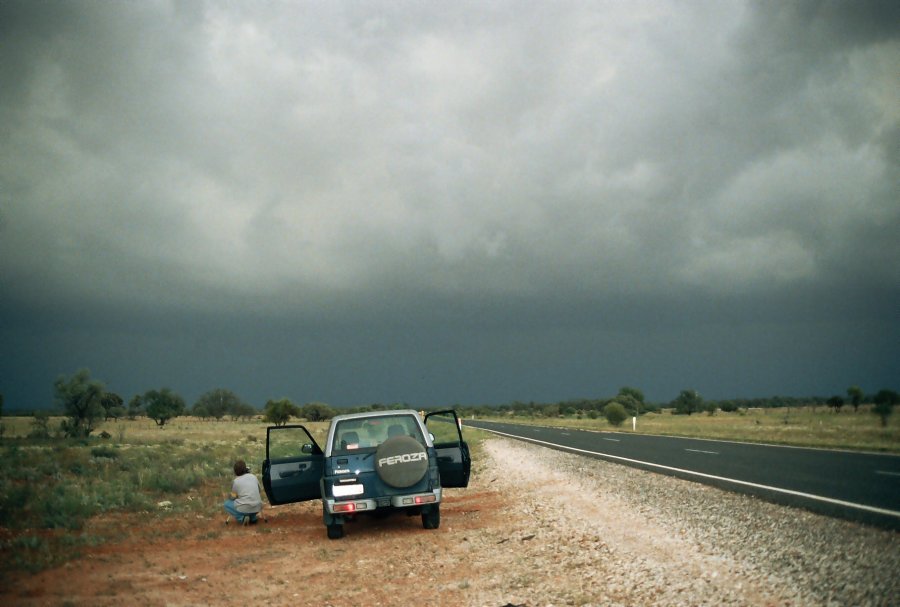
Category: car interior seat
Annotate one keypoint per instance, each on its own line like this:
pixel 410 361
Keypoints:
pixel 349 438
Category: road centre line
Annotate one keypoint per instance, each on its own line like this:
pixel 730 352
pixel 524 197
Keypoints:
pixel 811 496
pixel 886 473
pixel 702 451
pixel 613 440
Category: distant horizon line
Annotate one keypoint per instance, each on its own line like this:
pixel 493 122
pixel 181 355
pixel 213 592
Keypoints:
pixel 794 401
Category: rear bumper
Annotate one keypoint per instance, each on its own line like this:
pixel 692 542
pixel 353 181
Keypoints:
pixel 389 501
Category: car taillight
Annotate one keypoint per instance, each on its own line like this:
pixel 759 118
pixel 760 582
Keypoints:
pixel 348 507
pixel 418 499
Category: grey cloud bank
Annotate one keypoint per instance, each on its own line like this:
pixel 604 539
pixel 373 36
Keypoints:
pixel 381 202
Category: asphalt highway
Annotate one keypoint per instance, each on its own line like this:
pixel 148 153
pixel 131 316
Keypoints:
pixel 863 487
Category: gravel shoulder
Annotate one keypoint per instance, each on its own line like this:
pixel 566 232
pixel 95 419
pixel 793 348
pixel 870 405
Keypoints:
pixel 657 540
pixel 536 527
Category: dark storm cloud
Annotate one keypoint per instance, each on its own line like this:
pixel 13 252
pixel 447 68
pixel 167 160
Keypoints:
pixel 401 201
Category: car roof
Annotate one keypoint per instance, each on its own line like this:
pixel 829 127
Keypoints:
pixel 366 414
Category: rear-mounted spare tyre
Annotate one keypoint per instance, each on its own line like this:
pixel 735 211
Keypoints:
pixel 401 461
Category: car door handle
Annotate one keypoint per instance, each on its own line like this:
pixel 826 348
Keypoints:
pixel 301 468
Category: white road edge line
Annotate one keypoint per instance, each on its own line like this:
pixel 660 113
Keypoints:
pixel 886 473
pixel 702 451
pixel 818 498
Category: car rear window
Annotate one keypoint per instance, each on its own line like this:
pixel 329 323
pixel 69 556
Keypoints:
pixel 367 433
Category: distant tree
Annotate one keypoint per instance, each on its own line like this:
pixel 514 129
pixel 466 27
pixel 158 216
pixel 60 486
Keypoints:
pixel 520 408
pixel 219 402
pixel 836 402
pixel 615 413
pixel 636 393
pixel 80 397
pixel 135 407
pixel 112 406
pixel 728 406
pixel 884 404
pixel 632 405
pixel 199 410
pixel 316 412
pixel 40 425
pixel 688 402
pixel 855 394
pixel 280 412
pixel 550 410
pixel 650 408
pixel 162 405
pixel 483 411
pixel 242 410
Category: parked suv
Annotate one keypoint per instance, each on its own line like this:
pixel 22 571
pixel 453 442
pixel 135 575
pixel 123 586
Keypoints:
pixel 373 462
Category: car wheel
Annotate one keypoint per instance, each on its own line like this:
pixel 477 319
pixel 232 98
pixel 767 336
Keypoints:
pixel 335 532
pixel 431 519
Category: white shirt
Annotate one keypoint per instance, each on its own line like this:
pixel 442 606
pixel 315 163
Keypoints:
pixel 248 499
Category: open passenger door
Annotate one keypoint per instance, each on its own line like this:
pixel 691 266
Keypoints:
pixel 454 461
pixel 292 471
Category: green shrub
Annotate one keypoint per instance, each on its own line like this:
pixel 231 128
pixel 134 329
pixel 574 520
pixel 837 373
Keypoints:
pixel 64 506
pixel 615 413
pixel 31 552
pixel 177 480
pixel 13 495
pixel 104 451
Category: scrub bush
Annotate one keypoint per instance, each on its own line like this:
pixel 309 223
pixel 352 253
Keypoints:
pixel 107 452
pixel 615 413
pixel 64 506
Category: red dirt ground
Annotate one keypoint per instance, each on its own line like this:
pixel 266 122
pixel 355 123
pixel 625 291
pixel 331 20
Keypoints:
pixel 285 561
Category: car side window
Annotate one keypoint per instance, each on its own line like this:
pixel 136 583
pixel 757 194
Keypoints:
pixel 290 442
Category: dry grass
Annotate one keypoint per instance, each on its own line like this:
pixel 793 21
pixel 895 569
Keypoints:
pixel 52 489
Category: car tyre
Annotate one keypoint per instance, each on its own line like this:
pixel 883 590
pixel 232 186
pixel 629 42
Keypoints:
pixel 431 519
pixel 335 532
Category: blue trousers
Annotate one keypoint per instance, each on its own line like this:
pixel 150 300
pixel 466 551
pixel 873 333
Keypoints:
pixel 238 516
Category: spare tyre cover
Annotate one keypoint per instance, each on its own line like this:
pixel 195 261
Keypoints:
pixel 401 461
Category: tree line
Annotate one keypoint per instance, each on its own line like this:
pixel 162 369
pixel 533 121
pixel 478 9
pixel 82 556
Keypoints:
pixel 631 401
pixel 84 402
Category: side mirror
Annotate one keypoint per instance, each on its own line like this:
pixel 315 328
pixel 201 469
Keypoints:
pixel 307 448
pixel 430 435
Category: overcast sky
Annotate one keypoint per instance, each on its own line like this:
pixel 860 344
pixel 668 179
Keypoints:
pixel 440 203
